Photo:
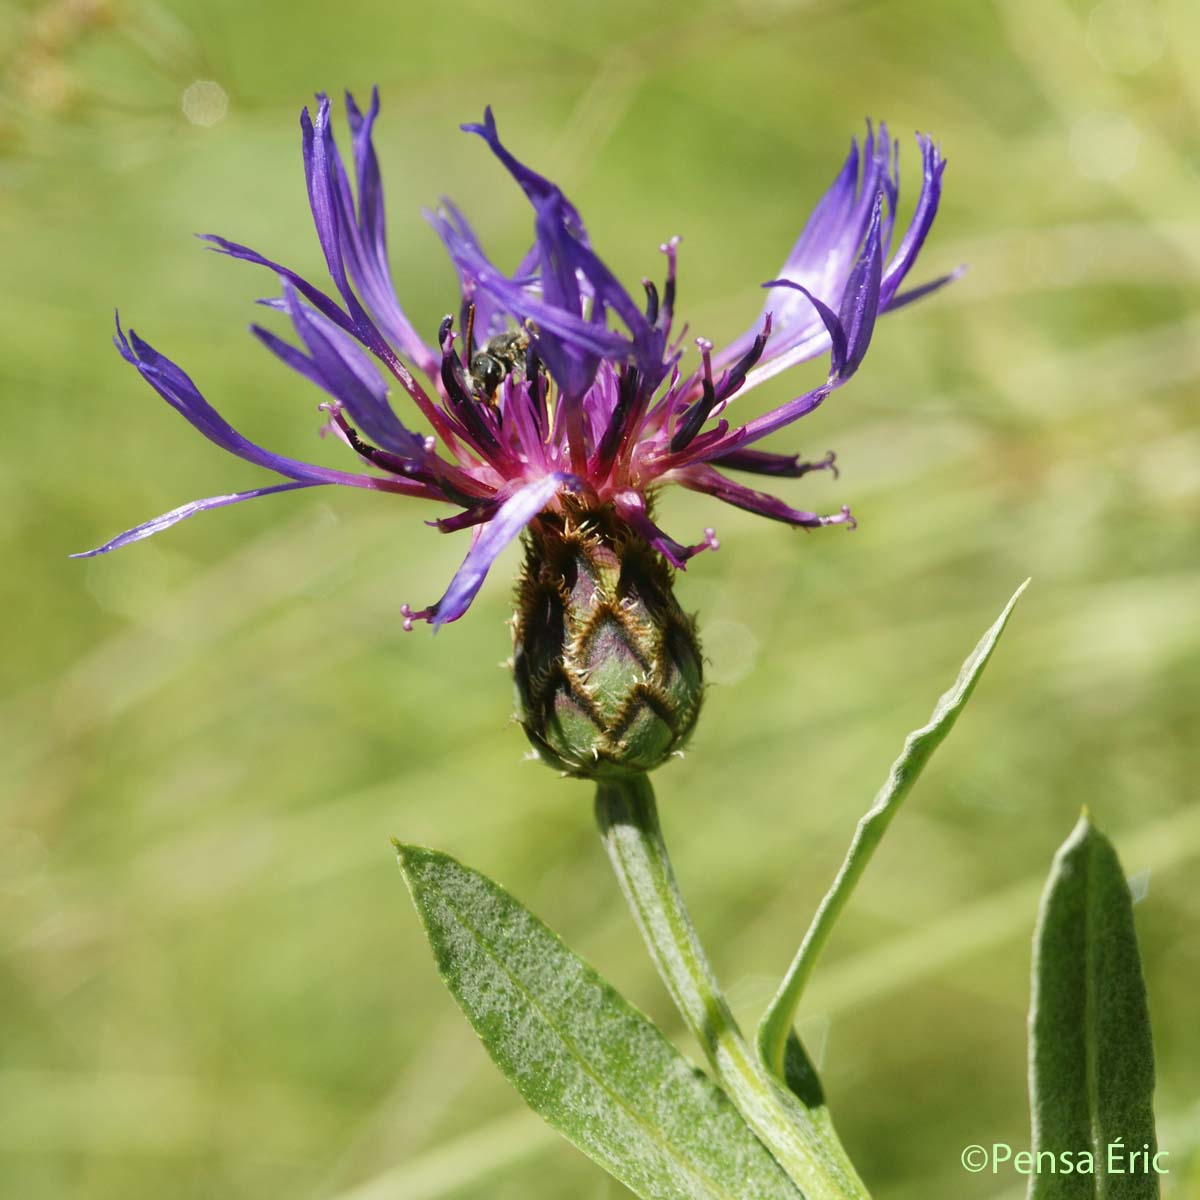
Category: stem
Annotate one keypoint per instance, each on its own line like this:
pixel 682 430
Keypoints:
pixel 807 1150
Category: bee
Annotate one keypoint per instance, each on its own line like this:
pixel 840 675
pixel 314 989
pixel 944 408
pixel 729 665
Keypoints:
pixel 500 357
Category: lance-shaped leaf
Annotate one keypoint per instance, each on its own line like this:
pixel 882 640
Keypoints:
pixel 582 1057
pixel 778 1046
pixel 1091 1059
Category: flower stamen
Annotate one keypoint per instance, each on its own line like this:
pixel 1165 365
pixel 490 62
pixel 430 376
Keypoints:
pixel 651 300
pixel 695 416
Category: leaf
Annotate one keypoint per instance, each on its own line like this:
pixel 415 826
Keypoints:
pixel 775 1030
pixel 1091 1078
pixel 582 1057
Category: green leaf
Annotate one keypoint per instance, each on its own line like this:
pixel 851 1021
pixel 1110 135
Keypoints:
pixel 775 1030
pixel 582 1057
pixel 1091 1075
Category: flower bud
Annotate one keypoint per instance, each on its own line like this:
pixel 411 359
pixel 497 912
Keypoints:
pixel 607 666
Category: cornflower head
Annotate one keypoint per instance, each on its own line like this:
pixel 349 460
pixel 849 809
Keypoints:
pixel 556 405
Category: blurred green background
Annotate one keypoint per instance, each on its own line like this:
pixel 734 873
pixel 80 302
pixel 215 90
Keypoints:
pixel 211 981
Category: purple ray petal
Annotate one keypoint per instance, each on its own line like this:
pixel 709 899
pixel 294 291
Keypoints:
pixel 857 312
pixel 516 300
pixel 827 251
pixel 314 295
pixel 333 215
pixel 701 478
pixel 325 200
pixel 371 220
pixel 178 390
pixel 565 262
pixel 923 290
pixel 166 520
pixel 779 417
pixel 824 253
pixel 708 449
pixel 290 355
pixel 452 226
pixel 918 229
pixel 830 319
pixel 362 236
pixel 860 301
pixel 343 238
pixel 343 370
pixel 563 252
pixel 569 270
pixel 631 506
pixel 574 367
pixel 537 187
pixel 824 228
pixel 318 177
pixel 510 518
pixel 779 466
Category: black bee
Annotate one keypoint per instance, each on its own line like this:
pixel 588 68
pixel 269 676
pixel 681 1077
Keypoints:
pixel 500 357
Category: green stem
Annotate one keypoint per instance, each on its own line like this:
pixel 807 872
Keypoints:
pixel 807 1150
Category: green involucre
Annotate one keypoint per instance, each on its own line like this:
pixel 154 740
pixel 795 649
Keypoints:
pixel 606 664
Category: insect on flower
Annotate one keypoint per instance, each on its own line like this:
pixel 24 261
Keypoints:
pixel 552 394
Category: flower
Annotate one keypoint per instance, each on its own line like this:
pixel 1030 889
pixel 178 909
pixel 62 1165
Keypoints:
pixel 556 390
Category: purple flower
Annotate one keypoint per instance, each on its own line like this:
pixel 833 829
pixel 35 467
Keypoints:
pixel 553 387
